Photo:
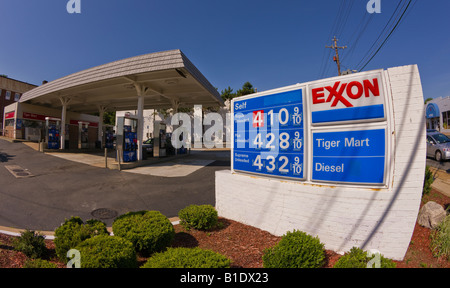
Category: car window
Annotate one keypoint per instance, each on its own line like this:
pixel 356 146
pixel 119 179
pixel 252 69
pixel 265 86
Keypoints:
pixel 441 138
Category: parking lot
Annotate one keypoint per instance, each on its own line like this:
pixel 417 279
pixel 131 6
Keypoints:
pixel 56 188
pixel 442 165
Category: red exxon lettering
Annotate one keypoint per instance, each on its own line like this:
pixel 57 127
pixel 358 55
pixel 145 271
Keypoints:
pixel 354 90
pixel 337 94
pixel 374 88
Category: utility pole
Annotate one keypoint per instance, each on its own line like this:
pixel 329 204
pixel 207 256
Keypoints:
pixel 336 58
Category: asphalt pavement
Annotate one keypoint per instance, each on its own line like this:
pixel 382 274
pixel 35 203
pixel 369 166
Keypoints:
pixel 443 165
pixel 39 191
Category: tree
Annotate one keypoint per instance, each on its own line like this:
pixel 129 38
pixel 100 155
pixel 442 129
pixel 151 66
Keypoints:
pixel 428 99
pixel 228 94
pixel 109 118
pixel 246 89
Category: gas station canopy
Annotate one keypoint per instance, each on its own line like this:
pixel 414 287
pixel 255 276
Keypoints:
pixel 164 80
pixel 152 81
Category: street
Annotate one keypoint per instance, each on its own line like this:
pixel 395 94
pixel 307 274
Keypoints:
pixel 59 189
pixel 443 165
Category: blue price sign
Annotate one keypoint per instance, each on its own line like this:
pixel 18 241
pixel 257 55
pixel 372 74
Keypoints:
pixel 350 156
pixel 269 135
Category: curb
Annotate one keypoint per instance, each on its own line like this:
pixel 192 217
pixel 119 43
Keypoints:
pixel 441 186
pixel 51 235
pixel 441 181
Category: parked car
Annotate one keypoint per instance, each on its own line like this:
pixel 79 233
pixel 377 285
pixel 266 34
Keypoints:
pixel 148 146
pixel 438 146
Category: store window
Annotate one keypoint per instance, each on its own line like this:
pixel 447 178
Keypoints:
pixel 8 95
pixel 446 119
pixel 33 124
pixel 10 123
pixel 17 97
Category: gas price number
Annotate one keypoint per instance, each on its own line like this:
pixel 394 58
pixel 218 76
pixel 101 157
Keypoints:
pixel 269 135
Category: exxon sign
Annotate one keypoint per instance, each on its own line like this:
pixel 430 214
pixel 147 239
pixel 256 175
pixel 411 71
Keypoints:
pixel 355 99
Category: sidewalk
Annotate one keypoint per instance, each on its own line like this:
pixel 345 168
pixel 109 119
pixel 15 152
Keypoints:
pixel 50 235
pixel 97 158
pixel 441 182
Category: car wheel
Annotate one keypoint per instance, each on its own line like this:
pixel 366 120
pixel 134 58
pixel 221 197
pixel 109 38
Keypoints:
pixel 438 156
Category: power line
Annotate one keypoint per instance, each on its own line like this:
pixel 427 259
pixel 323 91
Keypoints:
pixel 383 31
pixel 325 65
pixel 343 22
pixel 385 40
pixel 363 24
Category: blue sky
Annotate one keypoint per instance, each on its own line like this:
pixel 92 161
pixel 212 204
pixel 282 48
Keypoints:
pixel 269 43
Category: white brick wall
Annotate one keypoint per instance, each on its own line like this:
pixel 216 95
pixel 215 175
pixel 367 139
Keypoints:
pixel 344 216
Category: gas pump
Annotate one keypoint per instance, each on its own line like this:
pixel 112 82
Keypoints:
pixel 83 135
pixel 130 144
pixel 108 136
pixel 126 138
pixel 159 142
pixel 52 128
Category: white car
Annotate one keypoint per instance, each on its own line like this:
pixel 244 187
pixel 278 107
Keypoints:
pixel 438 146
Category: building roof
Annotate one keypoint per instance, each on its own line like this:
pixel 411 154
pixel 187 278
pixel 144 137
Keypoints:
pixel 14 85
pixel 167 75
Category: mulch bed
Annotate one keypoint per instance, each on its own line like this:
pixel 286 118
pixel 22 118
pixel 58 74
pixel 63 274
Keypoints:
pixel 419 254
pixel 245 245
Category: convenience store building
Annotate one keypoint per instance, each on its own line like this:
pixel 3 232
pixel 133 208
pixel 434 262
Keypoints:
pixel 438 114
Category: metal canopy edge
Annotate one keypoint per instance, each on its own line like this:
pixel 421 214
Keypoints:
pixel 166 77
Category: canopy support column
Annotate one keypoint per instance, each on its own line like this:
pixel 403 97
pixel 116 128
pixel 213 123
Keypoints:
pixel 175 105
pixel 140 115
pixel 65 102
pixel 101 112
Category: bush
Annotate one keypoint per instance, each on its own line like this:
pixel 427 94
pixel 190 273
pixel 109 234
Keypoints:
pixel 295 250
pixel 39 263
pixel 357 258
pixel 30 243
pixel 187 258
pixel 149 231
pixel 73 231
pixel 107 252
pixel 440 239
pixel 200 217
pixel 429 179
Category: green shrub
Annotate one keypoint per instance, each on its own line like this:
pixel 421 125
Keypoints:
pixel 295 250
pixel 357 258
pixel 187 258
pixel 39 263
pixel 429 179
pixel 73 231
pixel 200 217
pixel 107 252
pixel 440 239
pixel 149 231
pixel 31 243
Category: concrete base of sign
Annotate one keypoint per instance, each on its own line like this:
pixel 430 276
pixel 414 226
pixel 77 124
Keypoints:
pixel 345 216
